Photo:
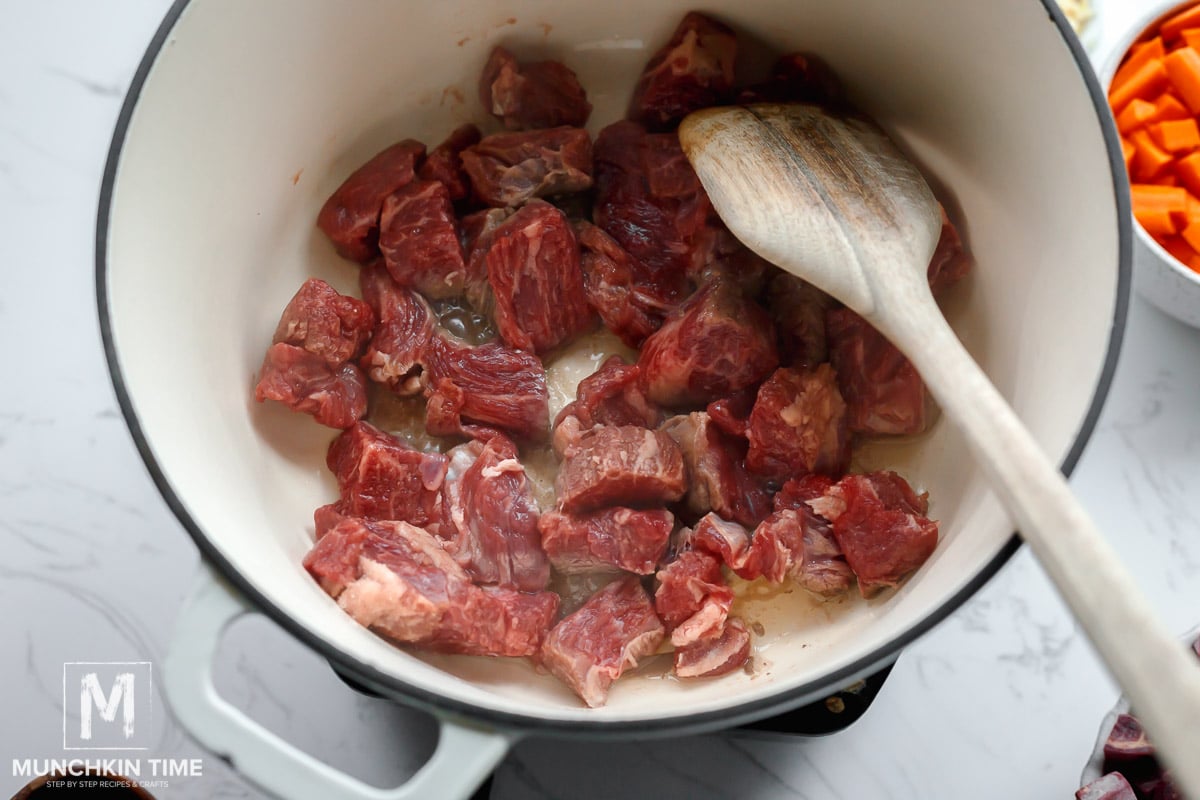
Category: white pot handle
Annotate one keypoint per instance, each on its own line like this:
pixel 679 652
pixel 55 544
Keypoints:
pixel 464 757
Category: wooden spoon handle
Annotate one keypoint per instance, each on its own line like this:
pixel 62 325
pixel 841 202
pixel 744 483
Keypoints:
pixel 1159 675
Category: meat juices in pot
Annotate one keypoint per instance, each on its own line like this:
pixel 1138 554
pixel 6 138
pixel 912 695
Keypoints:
pixel 575 411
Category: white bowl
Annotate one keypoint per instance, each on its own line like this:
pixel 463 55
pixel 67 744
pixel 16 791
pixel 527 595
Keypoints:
pixel 1157 275
pixel 245 116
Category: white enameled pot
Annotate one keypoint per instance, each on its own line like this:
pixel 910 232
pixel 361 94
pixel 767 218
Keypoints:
pixel 244 116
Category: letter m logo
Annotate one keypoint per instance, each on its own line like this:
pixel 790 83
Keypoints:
pixel 112 700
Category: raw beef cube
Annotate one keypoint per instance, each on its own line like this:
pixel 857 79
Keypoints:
pixel 803 545
pixel 796 493
pixel 883 392
pixel 325 518
pixel 1112 786
pixel 478 230
pixel 950 262
pixel 444 162
pixel 693 70
pixel 397 579
pixel 418 236
pixel 611 395
pixel 624 538
pixel 539 94
pixel 628 307
pixel 796 78
pixel 620 465
pixel 533 268
pixel 720 655
pixel 649 200
pixel 720 537
pixel 381 477
pixel 506 169
pixel 716 343
pixel 732 414
pixel 589 649
pixel 396 353
pixel 692 598
pixel 325 323
pixel 798 425
pixel 334 395
pixel 473 390
pixel 1127 740
pixel 350 217
pixel 491 519
pixel 881 527
pixel 717 477
pixel 798 309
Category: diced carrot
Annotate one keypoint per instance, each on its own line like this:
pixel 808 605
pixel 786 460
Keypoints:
pixel 1156 207
pixel 1194 263
pixel 1135 115
pixel 1150 159
pixel 1176 135
pixel 1191 235
pixel 1183 70
pixel 1192 208
pixel 1139 54
pixel 1146 82
pixel 1157 223
pixel 1178 247
pixel 1168 107
pixel 1188 18
pixel 1188 170
pixel 1191 37
pixel 1166 179
pixel 1127 150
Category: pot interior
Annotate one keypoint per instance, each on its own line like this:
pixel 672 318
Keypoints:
pixel 252 113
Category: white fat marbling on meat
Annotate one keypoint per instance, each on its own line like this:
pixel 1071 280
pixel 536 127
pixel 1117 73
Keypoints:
pixel 380 598
pixel 498 469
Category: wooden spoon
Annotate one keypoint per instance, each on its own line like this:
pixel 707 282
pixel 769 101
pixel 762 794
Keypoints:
pixel 832 199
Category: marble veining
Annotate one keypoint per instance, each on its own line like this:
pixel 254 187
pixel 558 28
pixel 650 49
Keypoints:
pixel 1001 700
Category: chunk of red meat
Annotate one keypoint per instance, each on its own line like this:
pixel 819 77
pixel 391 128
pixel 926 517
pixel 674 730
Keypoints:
pixel 350 217
pixel 796 78
pixel 381 477
pixel 305 382
pixel 324 322
pixel 539 94
pixel 444 162
pixel 732 414
pixel 879 523
pixel 533 269
pixel 506 169
pixel 628 307
pixel 589 649
pixel 950 262
pixel 720 655
pixel 716 343
pixel 717 478
pixel 693 70
pixel 476 390
pixel 418 236
pixel 798 425
pixel 1112 786
pixel 612 395
pixel 397 579
pixel 798 309
pixel 397 351
pixel 796 493
pixel 884 394
pixel 726 539
pixel 1127 740
pixel 325 518
pixel 625 538
pixel 692 598
pixel 620 465
pixel 478 230
pixel 493 520
pixel 649 200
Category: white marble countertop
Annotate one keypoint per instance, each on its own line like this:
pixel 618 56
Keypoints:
pixel 1002 700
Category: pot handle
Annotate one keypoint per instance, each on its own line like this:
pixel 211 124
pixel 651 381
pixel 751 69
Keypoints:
pixel 464 757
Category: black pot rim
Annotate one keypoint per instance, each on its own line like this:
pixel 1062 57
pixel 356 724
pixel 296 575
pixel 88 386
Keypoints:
pixel 672 725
